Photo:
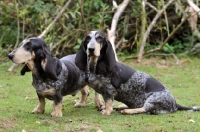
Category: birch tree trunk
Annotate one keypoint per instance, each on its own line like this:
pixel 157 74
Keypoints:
pixel 56 19
pixel 144 22
pixel 194 11
pixel 111 33
pixel 146 34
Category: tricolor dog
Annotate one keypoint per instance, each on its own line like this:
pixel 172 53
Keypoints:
pixel 140 92
pixel 52 78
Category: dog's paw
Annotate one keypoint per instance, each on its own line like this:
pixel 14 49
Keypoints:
pixel 79 104
pixel 126 112
pixel 56 114
pixel 121 107
pixel 99 104
pixel 105 112
pixel 38 111
pixel 101 108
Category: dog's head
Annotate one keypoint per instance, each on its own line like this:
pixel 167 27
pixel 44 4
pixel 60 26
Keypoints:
pixel 97 48
pixel 28 50
pixel 35 54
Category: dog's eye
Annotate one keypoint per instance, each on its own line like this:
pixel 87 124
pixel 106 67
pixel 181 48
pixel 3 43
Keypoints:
pixel 99 38
pixel 87 38
pixel 27 45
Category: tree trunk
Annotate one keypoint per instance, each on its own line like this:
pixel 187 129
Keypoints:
pixel 111 33
pixel 54 21
pixel 146 34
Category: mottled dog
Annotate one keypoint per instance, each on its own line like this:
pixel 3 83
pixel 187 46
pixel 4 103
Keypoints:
pixel 140 92
pixel 52 78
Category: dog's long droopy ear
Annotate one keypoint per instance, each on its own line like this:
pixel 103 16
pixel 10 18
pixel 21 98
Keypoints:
pixel 109 57
pixel 24 70
pixel 50 65
pixel 81 57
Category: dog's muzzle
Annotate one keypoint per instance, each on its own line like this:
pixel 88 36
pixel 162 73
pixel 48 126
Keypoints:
pixel 91 51
pixel 10 56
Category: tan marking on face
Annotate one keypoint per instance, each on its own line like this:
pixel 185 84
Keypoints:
pixel 50 92
pixel 21 56
pixel 90 35
pixel 93 60
pixel 97 35
pixel 97 49
pixel 30 65
pixel 57 110
pixel 43 63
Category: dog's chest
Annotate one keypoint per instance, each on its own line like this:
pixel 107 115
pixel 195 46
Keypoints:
pixel 49 87
pixel 101 84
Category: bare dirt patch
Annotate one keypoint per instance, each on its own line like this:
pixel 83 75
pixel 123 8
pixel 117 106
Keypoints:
pixel 7 124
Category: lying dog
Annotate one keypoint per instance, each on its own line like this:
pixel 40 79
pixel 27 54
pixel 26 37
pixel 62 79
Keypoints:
pixel 140 92
pixel 52 78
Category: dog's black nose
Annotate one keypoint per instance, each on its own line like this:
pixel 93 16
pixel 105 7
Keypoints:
pixel 91 50
pixel 10 56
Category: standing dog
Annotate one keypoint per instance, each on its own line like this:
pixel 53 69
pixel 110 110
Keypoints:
pixel 140 92
pixel 52 78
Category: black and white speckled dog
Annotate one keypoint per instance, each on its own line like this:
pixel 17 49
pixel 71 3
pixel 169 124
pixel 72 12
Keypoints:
pixel 140 92
pixel 52 78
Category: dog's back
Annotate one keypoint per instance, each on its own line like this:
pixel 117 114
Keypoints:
pixel 70 58
pixel 75 78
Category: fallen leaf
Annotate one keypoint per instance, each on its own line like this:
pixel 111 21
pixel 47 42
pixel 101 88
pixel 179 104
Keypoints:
pixel 192 121
pixel 99 130
pixel 37 122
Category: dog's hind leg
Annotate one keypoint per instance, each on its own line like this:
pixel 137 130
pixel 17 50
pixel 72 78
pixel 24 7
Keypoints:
pixel 41 105
pixel 97 101
pixel 133 111
pixel 84 94
pixel 121 107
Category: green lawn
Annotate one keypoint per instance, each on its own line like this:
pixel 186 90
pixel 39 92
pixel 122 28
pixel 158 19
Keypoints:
pixel 18 99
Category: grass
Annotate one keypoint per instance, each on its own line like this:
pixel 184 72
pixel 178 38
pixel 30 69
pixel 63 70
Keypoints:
pixel 18 99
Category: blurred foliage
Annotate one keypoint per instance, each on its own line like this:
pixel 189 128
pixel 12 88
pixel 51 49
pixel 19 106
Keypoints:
pixel 28 18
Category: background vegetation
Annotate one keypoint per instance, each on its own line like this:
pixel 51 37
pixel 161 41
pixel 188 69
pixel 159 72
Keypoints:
pixel 28 18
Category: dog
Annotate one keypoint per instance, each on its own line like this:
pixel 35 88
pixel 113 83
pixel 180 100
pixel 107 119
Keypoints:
pixel 52 78
pixel 140 92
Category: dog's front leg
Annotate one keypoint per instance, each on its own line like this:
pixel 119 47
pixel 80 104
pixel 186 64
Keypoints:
pixel 41 105
pixel 108 98
pixel 57 104
pixel 108 107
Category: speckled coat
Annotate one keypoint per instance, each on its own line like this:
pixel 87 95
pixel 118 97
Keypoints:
pixel 64 83
pixel 117 81
pixel 132 93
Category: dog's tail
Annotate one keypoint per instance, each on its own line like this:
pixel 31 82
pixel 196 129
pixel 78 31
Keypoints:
pixel 192 109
